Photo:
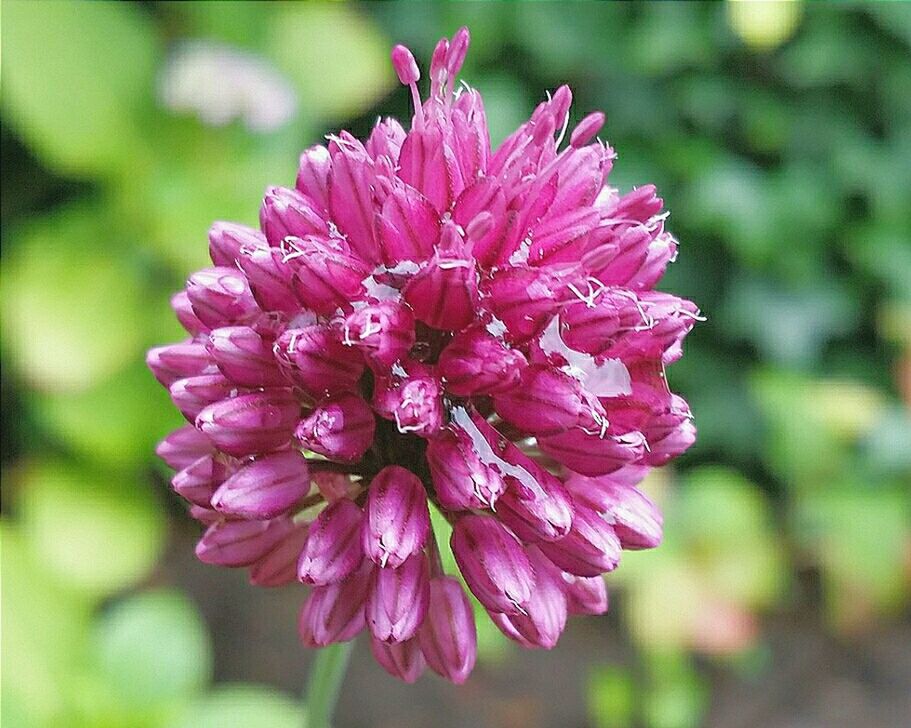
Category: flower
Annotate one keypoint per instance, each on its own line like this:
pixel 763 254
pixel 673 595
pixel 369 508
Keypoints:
pixel 425 322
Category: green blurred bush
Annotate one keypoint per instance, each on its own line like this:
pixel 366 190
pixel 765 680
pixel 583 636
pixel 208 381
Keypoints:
pixel 780 137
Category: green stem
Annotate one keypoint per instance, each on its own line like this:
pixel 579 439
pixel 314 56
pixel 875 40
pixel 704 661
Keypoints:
pixel 325 683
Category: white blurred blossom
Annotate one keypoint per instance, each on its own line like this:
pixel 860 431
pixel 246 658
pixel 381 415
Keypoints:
pixel 219 84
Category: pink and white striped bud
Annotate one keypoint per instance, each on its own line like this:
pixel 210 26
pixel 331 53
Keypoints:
pixel 251 424
pixel 535 505
pixel 340 428
pixel 544 615
pixel 244 357
pixel 406 68
pixel 545 402
pixel 317 361
pixel 221 296
pixel 180 303
pixel 449 638
pixel 444 293
pixel 408 226
pixel 177 361
pixel 288 213
pixel 228 239
pixel 313 176
pixel 415 403
pixel 636 520
pixel 461 480
pixel 476 362
pixel 326 275
pixel 396 518
pixel 332 551
pixel 193 394
pixel 587 129
pixel 270 279
pixel 198 481
pixel 265 488
pixel 403 660
pixel 279 566
pixel 183 447
pixel 493 563
pixel 589 549
pixel 335 612
pixel 585 594
pixel 240 543
pixel 398 600
pixel 383 331
pixel 589 453
pixel 524 299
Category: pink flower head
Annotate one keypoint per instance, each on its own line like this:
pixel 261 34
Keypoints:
pixel 424 322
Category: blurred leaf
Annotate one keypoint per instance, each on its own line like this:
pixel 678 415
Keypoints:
pixel 153 649
pixel 677 697
pixel 44 630
pixel 73 313
pixel 73 77
pixel 92 531
pixel 338 57
pixel 137 413
pixel 242 706
pixel 611 697
pixel 506 105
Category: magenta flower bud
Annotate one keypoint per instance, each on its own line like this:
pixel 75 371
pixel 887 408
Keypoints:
pixel 333 486
pixel 485 197
pixel 449 638
pixel 408 226
pixel 383 331
pixel 587 129
pixel 674 443
pixel 396 517
pixel 415 404
pixel 668 320
pixel 475 362
pixel 545 613
pixel 589 549
pixel 251 423
pixel 193 394
pixel 493 562
pixel 270 279
pixel 335 612
pixel 341 428
pixel 661 251
pixel 198 481
pixel 588 453
pixel 352 196
pixel 636 520
pixel 265 488
pixel 545 402
pixel 220 297
pixel 406 68
pixel 461 480
pixel 524 299
pixel 288 213
pixel 183 447
pixel 458 48
pixel 403 660
pixel 398 600
pixel 244 357
pixel 386 141
pixel 592 328
pixel 535 505
pixel 326 277
pixel 205 516
pixel 313 176
pixel 240 543
pixel 315 359
pixel 332 551
pixel 180 302
pixel 279 566
pixel 444 293
pixel 227 240
pixel 177 361
pixel 585 594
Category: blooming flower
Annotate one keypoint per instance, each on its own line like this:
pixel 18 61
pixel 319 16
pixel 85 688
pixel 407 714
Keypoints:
pixel 425 322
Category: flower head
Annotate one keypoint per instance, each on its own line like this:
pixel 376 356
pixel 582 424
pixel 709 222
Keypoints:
pixel 426 322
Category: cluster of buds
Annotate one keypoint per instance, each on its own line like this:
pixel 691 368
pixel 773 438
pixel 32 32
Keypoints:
pixel 426 323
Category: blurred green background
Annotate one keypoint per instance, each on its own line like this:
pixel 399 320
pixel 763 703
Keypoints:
pixel 779 135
